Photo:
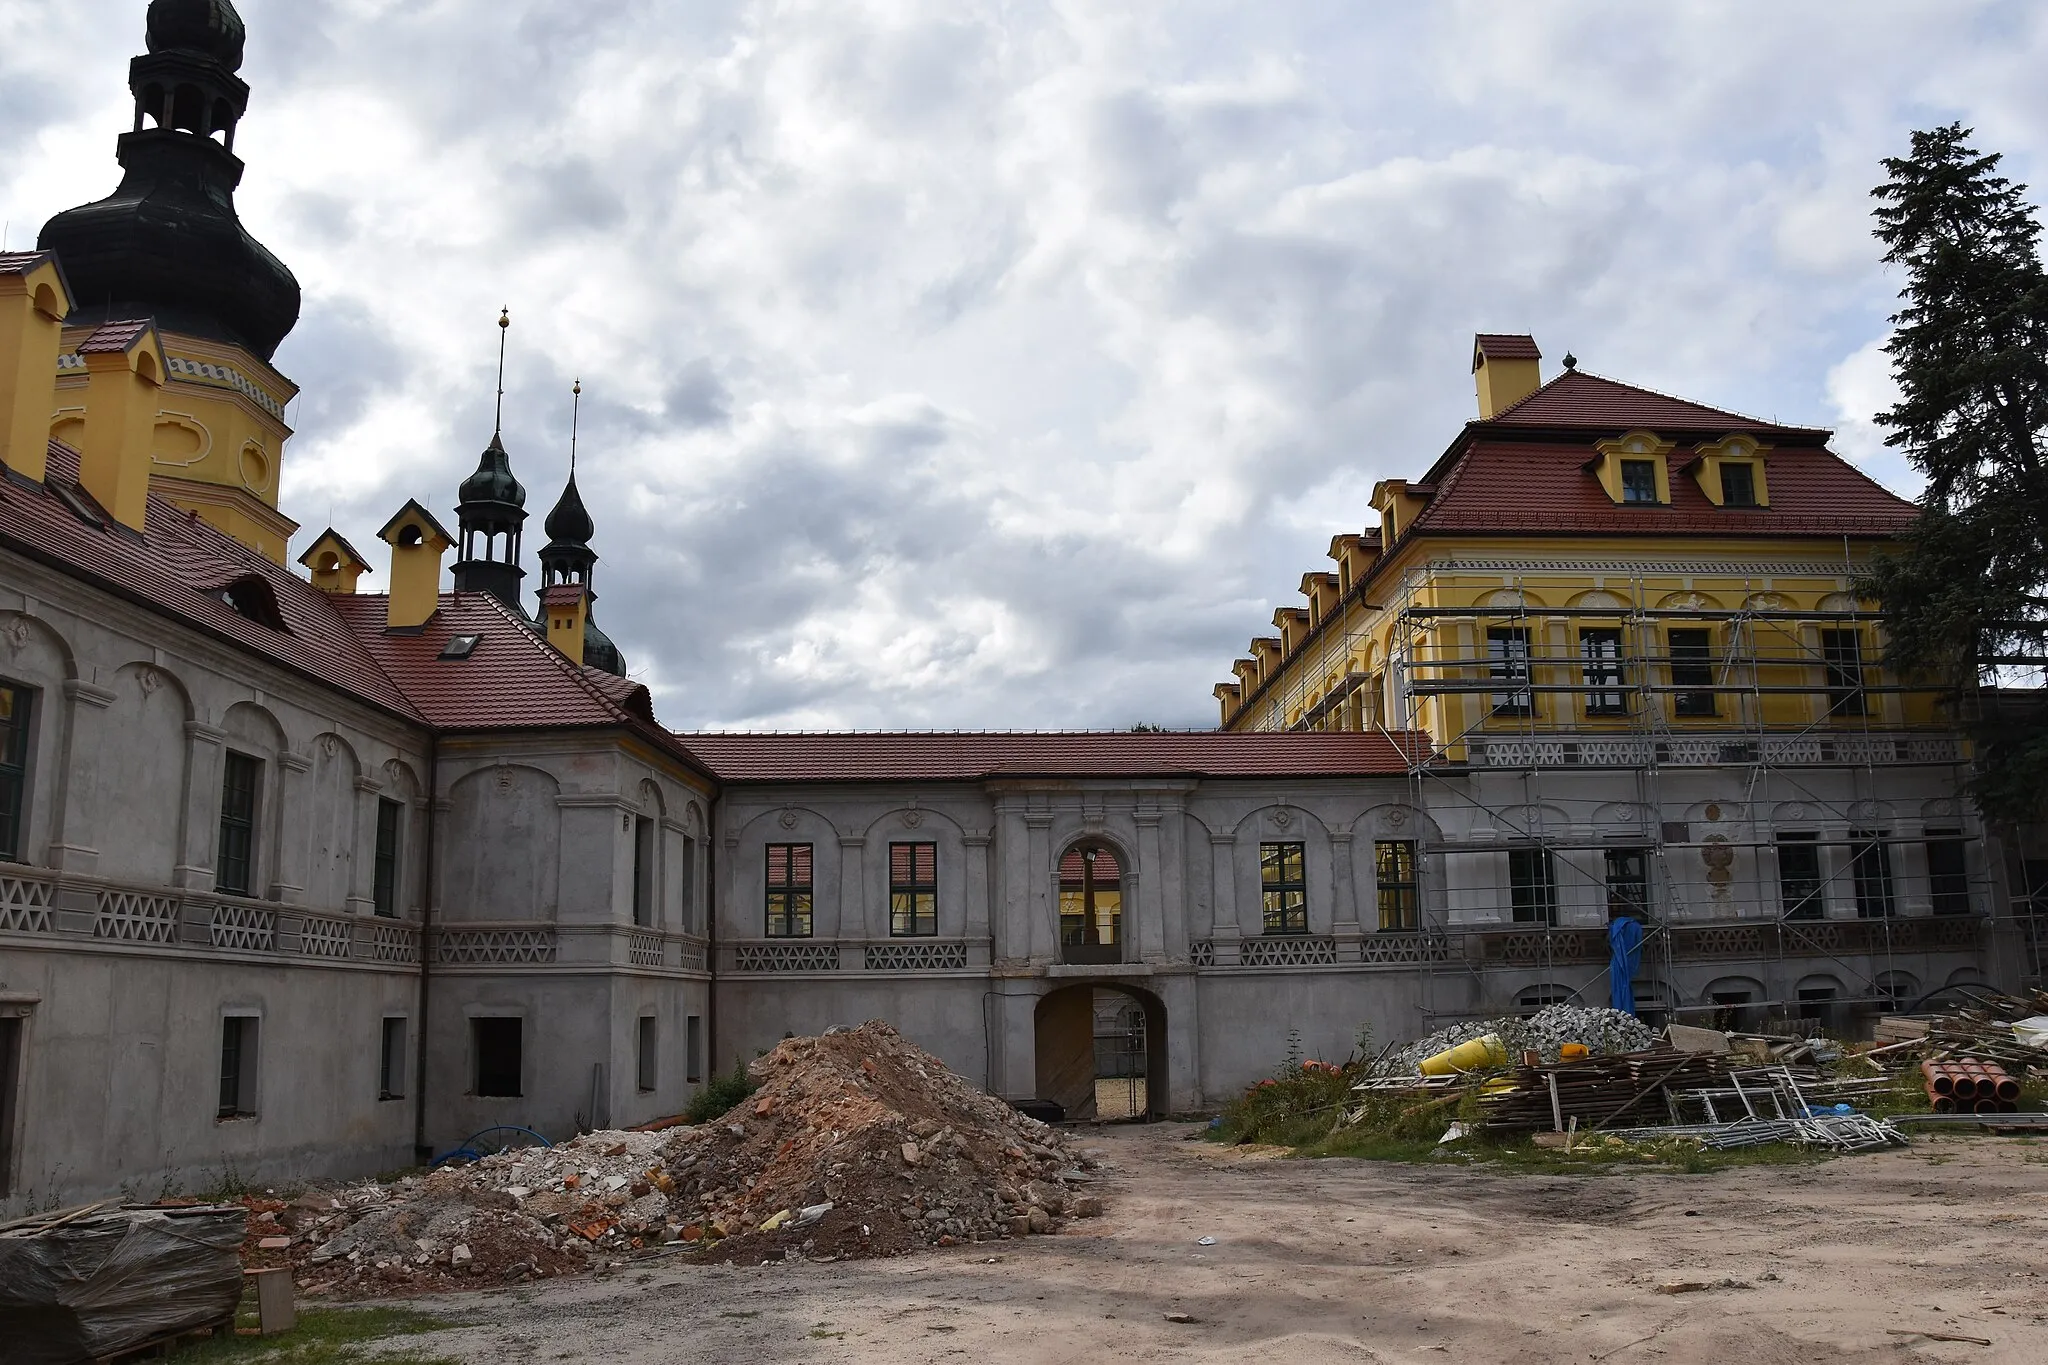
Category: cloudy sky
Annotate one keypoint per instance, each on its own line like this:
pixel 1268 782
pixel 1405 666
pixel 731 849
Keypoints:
pixel 1005 362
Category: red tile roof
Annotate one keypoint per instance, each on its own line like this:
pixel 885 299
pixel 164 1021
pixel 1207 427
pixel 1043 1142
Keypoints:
pixel 906 757
pixel 1504 346
pixel 1578 399
pixel 1537 488
pixel 179 568
pixel 116 337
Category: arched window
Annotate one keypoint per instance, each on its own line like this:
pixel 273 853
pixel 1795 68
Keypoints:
pixel 1091 905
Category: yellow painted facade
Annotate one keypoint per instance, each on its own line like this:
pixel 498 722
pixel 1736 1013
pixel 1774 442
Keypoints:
pixel 216 442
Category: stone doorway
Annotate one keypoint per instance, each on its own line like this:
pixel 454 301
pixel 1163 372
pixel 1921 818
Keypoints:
pixel 1101 1051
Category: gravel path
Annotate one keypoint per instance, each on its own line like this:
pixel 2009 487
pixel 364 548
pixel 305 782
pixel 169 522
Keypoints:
pixel 1361 1261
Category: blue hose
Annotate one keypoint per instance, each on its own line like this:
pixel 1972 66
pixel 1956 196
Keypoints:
pixel 468 1152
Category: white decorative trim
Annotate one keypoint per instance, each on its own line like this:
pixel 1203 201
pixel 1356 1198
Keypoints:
pixel 206 370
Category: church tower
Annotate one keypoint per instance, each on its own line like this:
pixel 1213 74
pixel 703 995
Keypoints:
pixel 167 244
pixel 490 511
pixel 566 561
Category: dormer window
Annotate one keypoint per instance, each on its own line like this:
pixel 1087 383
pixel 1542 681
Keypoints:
pixel 1738 484
pixel 1638 481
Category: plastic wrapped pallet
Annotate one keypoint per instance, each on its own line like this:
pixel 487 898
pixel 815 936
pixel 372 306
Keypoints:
pixel 88 1287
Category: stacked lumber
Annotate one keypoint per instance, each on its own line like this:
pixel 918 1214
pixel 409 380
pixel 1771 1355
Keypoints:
pixel 1618 1091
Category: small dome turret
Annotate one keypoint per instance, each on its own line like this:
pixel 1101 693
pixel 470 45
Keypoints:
pixel 570 522
pixel 208 27
pixel 493 481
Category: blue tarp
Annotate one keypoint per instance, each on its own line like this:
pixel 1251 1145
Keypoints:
pixel 1625 941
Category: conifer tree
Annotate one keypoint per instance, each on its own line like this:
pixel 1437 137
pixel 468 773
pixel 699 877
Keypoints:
pixel 1967 597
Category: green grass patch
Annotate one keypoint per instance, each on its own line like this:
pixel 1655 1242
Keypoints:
pixel 324 1336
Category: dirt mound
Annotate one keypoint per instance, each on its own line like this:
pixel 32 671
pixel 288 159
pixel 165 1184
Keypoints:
pixel 860 1143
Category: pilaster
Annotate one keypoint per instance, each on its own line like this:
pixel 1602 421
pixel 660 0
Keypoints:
pixel 73 843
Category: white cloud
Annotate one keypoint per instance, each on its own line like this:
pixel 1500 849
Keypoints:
pixel 966 362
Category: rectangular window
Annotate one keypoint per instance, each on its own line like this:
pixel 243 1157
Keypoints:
pixel 237 1066
pixel 645 1057
pixel 1532 886
pixel 1393 865
pixel 11 1028
pixel 789 890
pixel 1692 665
pixel 1507 652
pixel 913 889
pixel 1948 872
pixel 384 886
pixel 391 1061
pixel 1870 864
pixel 643 871
pixel 1738 485
pixel 688 873
pixel 1841 653
pixel 497 1046
pixel 1600 647
pixel 1628 883
pixel 1638 481
pixel 16 707
pixel 1799 882
pixel 1285 885
pixel 235 868
pixel 693 1049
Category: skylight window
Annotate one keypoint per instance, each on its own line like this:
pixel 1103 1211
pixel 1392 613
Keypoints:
pixel 460 646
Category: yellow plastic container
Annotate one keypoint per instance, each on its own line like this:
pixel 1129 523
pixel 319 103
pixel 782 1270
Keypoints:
pixel 1573 1052
pixel 1467 1056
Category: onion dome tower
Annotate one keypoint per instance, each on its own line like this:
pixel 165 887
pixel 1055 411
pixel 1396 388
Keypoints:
pixel 167 243
pixel 491 505
pixel 568 558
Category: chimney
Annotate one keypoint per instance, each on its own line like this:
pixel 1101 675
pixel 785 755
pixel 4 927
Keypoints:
pixel 567 606
pixel 1506 368
pixel 334 563
pixel 417 543
pixel 33 301
pixel 124 378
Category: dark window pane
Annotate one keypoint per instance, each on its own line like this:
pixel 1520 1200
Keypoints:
pixel 789 891
pixel 234 868
pixel 1842 654
pixel 1393 863
pixel 1799 882
pixel 1948 873
pixel 1738 485
pixel 1628 883
pixel 1285 888
pixel 913 889
pixel 391 1060
pixel 1638 481
pixel 15 711
pixel 1692 665
pixel 384 885
pixel 1532 888
pixel 237 1067
pixel 496 1043
pixel 1601 649
pixel 1870 865
pixel 1507 650
pixel 643 871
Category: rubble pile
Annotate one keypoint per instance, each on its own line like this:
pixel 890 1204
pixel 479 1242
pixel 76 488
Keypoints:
pixel 860 1143
pixel 1600 1031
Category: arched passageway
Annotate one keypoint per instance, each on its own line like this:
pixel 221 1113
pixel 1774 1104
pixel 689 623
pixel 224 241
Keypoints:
pixel 1101 1051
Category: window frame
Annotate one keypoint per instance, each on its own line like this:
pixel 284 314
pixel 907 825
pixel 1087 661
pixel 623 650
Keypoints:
pixel 1872 875
pixel 14 769
pixel 1532 899
pixel 1504 665
pixel 1399 897
pixel 783 916
pixel 1283 886
pixel 693 1049
pixel 914 896
pixel 643 872
pixel 384 858
pixel 1628 895
pixel 479 1024
pixel 647 1054
pixel 1948 889
pixel 1801 896
pixel 241 1039
pixel 234 863
pixel 1630 491
pixel 1843 672
pixel 1689 670
pixel 391 1057
pixel 1604 672
pixel 1747 471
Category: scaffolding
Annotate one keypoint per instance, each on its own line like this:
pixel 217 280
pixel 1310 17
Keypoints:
pixel 1549 705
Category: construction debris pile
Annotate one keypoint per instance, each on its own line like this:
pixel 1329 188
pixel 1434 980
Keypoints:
pixel 858 1143
pixel 1547 1032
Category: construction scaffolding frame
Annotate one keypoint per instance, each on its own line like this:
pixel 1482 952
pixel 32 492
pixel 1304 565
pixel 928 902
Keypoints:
pixel 1517 717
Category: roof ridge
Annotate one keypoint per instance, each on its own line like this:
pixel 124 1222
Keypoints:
pixel 1647 392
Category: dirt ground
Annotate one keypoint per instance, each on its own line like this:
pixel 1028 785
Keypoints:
pixel 1363 1261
